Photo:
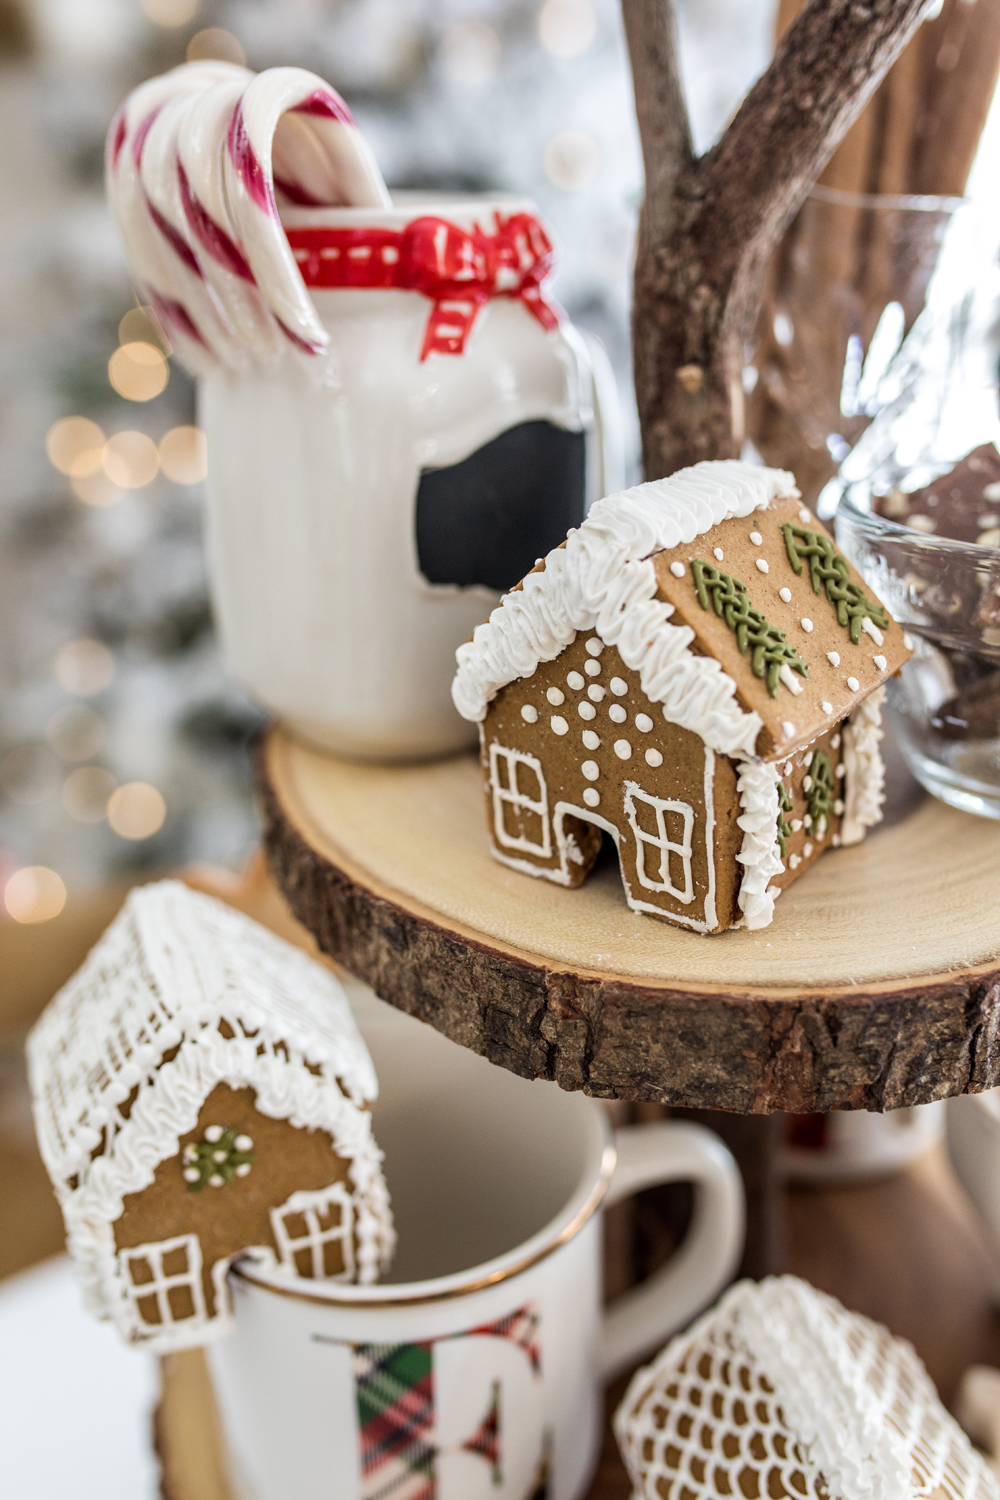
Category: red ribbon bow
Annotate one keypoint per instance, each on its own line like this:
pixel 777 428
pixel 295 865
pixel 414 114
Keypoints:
pixel 459 270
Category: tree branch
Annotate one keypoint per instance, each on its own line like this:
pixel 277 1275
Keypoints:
pixel 651 34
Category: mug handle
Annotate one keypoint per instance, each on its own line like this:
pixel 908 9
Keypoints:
pixel 642 1318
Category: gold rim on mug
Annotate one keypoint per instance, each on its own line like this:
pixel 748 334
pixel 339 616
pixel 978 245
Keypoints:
pixel 595 1198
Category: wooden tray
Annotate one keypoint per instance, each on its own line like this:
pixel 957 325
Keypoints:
pixel 876 986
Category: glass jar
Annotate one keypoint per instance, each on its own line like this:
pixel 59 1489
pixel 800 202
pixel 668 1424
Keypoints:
pixel 898 494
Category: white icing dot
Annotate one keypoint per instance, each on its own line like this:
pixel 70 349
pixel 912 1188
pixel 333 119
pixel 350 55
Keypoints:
pixel 807 849
pixel 595 645
pixel 762 564
pixel 575 681
pixel 190 1152
pixel 219 1156
pixel 836 841
pixel 617 713
pixel 595 692
pixel 807 782
pixel 586 710
pixel 643 722
pixel 794 861
pixel 835 742
pixel 677 568
pixel 826 707
pixel 870 628
pixel 213 1134
pixel 853 684
pixel 243 1169
pixel 623 749
pixel 654 758
pixel 618 687
pixel 558 724
pixel 191 1174
pixel 591 740
pixel 591 770
pixel 756 538
pixel 806 624
pixel 838 807
pixel 215 1180
pixel 880 662
pixel 786 595
pixel 529 713
pixel 805 516
pixel 796 825
pixel 908 641
pixel 555 696
pixel 592 667
pixel 833 657
pixel 717 553
pixel 591 796
pixel 788 768
pixel 807 820
pixel 839 772
pixel 243 1143
pixel 788 729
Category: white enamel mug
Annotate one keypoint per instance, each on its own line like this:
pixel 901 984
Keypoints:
pixel 475 1370
pixel 351 546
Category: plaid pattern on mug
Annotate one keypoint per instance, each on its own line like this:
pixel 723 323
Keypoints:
pixel 394 1384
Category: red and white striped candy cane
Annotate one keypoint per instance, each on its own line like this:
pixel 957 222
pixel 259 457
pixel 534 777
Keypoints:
pixel 326 161
pixel 199 176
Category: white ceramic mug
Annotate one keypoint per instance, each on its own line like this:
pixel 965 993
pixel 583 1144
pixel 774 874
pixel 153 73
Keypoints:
pixel 973 1138
pixel 342 579
pixel 474 1371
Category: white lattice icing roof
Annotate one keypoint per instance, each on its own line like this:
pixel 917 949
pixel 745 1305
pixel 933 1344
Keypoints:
pixel 780 1390
pixel 170 969
pixel 603 579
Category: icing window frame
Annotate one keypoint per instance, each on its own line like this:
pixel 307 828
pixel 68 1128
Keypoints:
pixel 308 1204
pixel 511 795
pixel 661 841
pixel 162 1283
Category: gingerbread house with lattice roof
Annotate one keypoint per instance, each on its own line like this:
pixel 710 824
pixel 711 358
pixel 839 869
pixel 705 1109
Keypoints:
pixel 779 1391
pixel 201 1092
pixel 697 673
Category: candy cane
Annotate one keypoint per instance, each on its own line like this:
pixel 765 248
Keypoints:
pixel 199 176
pixel 145 247
pixel 323 156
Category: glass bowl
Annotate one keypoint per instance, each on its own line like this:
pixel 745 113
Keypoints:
pixel 945 705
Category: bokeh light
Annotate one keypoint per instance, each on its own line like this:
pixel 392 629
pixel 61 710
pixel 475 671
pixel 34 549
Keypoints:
pixel 96 489
pixel 170 12
pixel 140 325
pixel 138 371
pixel 215 43
pixel 567 27
pixel 136 810
pixel 184 455
pixel 84 667
pixel 470 51
pixel 571 160
pixel 76 732
pixel 34 894
pixel 85 793
pixel 29 774
pixel 75 446
pixel 131 460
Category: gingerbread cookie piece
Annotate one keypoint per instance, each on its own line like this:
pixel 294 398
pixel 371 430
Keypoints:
pixel 696 672
pixel 201 1092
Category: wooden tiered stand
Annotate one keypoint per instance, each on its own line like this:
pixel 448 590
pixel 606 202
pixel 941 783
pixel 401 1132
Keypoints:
pixel 877 986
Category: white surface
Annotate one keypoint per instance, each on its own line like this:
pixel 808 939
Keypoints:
pixel 75 1404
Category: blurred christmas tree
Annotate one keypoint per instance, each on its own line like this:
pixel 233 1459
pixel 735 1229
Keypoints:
pixel 122 738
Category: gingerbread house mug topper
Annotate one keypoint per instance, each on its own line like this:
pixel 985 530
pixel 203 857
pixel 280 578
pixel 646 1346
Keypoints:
pixel 399 417
pixel 780 1391
pixel 201 1092
pixel 696 672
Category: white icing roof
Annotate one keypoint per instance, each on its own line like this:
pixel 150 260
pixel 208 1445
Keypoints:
pixel 603 579
pixel 169 969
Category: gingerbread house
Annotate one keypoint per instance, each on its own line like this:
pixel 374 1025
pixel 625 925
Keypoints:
pixel 697 673
pixel 201 1092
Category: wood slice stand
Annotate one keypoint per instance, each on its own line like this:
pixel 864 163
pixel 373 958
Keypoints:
pixel 876 986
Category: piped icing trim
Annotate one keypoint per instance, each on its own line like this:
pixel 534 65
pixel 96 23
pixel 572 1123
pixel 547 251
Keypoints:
pixel 864 770
pixel 603 579
pixel 760 856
